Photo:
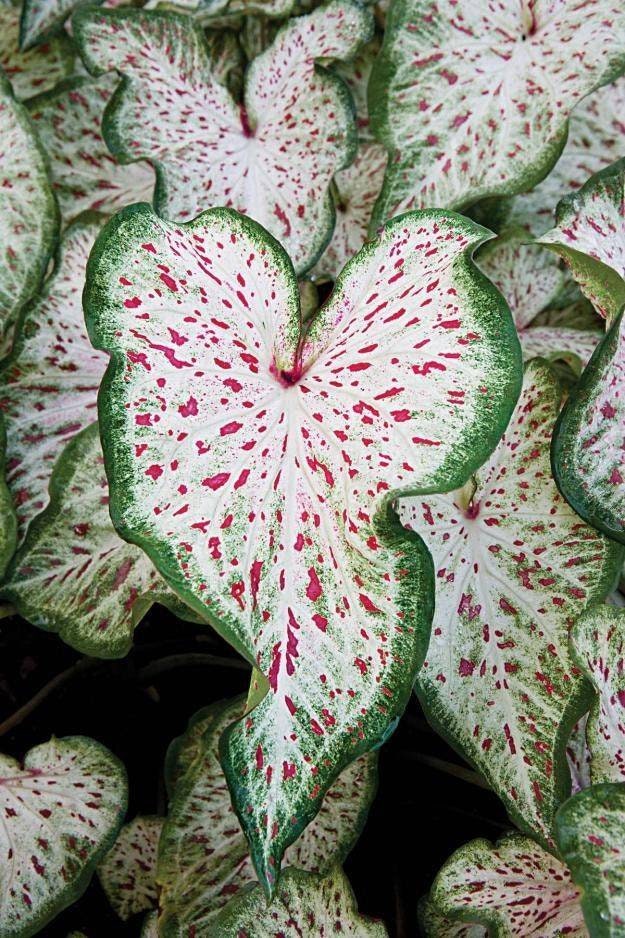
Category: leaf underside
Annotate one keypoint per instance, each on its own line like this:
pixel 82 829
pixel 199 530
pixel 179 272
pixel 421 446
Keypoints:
pixel 515 567
pixel 127 874
pixel 404 381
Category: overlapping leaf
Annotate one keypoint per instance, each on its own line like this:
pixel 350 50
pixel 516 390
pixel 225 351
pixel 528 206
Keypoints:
pixel 590 435
pixel 515 567
pixel 598 641
pixel 28 212
pixel 596 138
pixel 257 468
pixel 203 855
pixel 273 157
pixel 48 388
pixel 85 175
pixel 218 12
pixel 128 871
pixel 514 888
pixel 37 70
pixel 472 99
pixel 61 811
pixel 42 18
pixel 531 279
pixel 590 235
pixel 436 925
pixel 73 574
pixel 590 837
pixel 578 756
pixel 305 904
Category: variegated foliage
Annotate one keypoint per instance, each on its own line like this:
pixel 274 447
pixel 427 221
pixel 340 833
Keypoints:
pixel 514 888
pixel 590 438
pixel 257 465
pixel 37 70
pixel 531 280
pixel 472 99
pixel 273 156
pixel 73 574
pixel 305 904
pixel 598 642
pixel 590 837
pixel 128 871
pixel 28 212
pixel 203 854
pixel 61 811
pixel 515 566
pixel 85 174
pixel 590 235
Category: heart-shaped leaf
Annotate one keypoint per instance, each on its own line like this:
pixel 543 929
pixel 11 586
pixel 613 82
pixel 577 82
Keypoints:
pixel 203 854
pixel 590 836
pixel 531 279
pixel 474 103
pixel 73 574
pixel 273 157
pixel 85 175
pixel 598 641
pixel 596 138
pixel 61 812
pixel 28 212
pixel 305 904
pixel 128 872
pixel 257 464
pixel 515 567
pixel 48 387
pixel 37 70
pixel 514 888
pixel 587 446
pixel 590 235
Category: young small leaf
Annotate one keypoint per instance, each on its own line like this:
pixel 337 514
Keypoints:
pixel 28 212
pixel 515 566
pixel 598 643
pixel 590 235
pixel 305 904
pixel 128 871
pixel 273 157
pixel 73 574
pixel 203 854
pixel 37 70
pixel 49 386
pixel 473 102
pixel 85 175
pixel 590 837
pixel 514 888
pixel 61 812
pixel 587 450
pixel 257 465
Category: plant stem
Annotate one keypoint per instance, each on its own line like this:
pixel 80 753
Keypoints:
pixel 449 768
pixel 83 664
pixel 192 659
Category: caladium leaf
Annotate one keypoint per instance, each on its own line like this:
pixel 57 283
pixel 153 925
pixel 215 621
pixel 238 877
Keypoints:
pixel 28 212
pixel 436 925
pixel 61 812
pixel 128 872
pixel 37 70
pixel 73 574
pixel 512 888
pixel 590 837
pixel 8 521
pixel 474 103
pixel 598 644
pixel 85 175
pixel 515 567
pixel 48 388
pixel 596 138
pixel 203 854
pixel 246 156
pixel 531 279
pixel 305 904
pixel 578 756
pixel 587 449
pixel 273 516
pixel 221 12
pixel 149 928
pixel 590 235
